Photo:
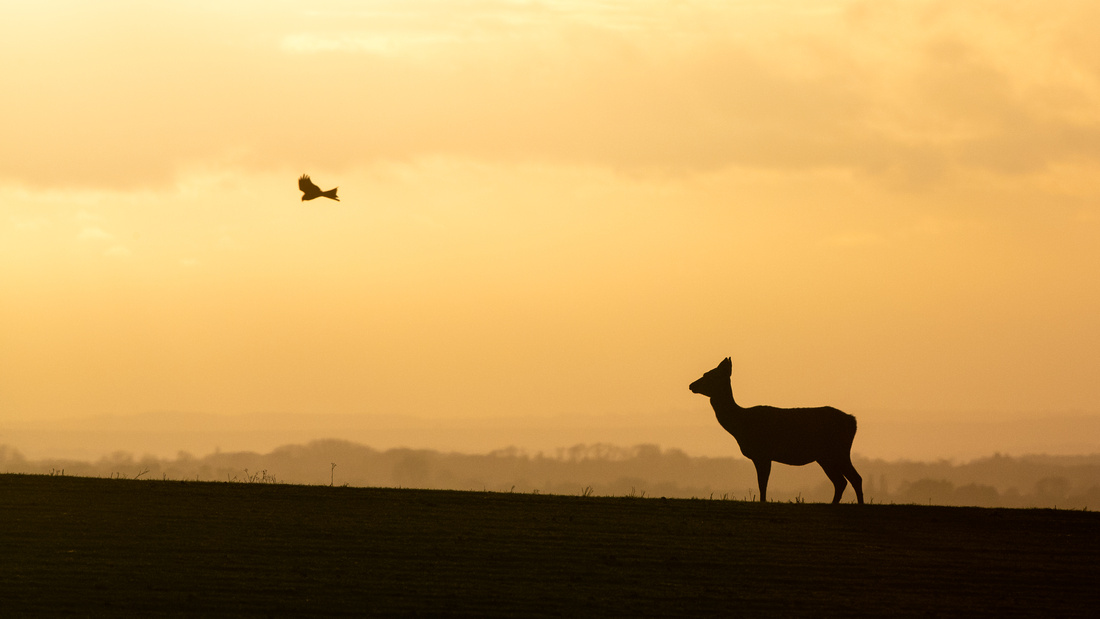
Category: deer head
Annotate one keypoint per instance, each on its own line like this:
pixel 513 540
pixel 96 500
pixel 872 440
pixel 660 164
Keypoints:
pixel 714 381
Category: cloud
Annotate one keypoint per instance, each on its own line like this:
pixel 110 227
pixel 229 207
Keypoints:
pixel 228 242
pixel 1088 215
pixel 30 225
pixel 856 239
pixel 93 233
pixel 378 44
pixel 902 91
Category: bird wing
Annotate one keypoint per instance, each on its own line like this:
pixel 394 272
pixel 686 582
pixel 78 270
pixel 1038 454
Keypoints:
pixel 307 185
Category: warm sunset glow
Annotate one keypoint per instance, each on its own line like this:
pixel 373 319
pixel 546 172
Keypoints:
pixel 551 210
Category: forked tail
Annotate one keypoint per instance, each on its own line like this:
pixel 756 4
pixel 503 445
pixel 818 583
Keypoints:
pixel 331 193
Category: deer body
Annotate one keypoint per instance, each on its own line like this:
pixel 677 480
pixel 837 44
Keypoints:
pixel 795 436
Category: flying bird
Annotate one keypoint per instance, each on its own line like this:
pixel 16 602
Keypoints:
pixel 311 191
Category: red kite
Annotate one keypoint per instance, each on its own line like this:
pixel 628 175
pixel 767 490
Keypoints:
pixel 311 191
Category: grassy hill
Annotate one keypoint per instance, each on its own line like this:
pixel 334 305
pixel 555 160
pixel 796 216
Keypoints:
pixel 93 546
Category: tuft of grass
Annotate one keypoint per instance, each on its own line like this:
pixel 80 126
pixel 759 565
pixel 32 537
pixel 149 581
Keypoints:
pixel 258 477
pixel 586 491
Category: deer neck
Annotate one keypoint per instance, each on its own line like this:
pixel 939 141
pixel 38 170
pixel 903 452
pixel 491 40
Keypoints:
pixel 726 410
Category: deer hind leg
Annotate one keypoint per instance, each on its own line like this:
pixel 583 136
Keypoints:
pixel 836 475
pixel 763 471
pixel 854 477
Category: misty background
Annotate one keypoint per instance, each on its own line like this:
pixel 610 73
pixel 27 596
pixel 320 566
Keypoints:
pixel 1009 462
pixel 914 436
pixel 642 471
pixel 1021 462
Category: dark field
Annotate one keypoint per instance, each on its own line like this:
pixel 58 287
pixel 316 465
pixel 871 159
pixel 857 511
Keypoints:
pixel 88 546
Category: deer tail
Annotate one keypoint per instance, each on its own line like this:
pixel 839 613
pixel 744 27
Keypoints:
pixel 850 427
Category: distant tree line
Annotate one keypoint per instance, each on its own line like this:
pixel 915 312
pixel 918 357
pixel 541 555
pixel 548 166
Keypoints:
pixel 1069 482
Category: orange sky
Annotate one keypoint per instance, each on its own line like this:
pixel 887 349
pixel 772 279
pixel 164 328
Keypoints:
pixel 559 208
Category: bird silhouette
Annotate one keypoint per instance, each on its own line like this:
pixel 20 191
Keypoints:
pixel 311 191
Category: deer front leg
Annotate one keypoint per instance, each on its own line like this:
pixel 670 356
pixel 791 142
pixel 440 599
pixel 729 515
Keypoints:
pixel 763 471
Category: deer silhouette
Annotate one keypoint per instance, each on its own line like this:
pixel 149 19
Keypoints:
pixel 795 436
